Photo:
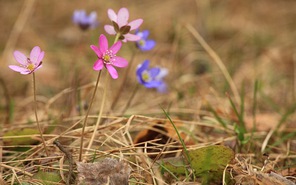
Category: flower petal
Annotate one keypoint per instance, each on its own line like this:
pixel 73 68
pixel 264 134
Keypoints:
pixel 131 37
pixel 163 72
pixel 140 69
pixel 162 88
pixel 145 34
pixel 20 57
pixel 78 16
pixel 119 62
pixel 112 71
pixel 98 65
pixel 96 50
pixel 34 55
pixel 116 47
pixel 26 72
pixel 37 68
pixel 152 84
pixel 135 24
pixel 18 68
pixel 149 44
pixel 122 17
pixel 40 58
pixel 112 15
pixel 143 66
pixel 92 17
pixel 110 29
pixel 154 72
pixel 103 43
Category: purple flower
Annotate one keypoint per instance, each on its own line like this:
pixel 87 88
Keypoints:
pixel 152 77
pixel 144 43
pixel 28 65
pixel 107 57
pixel 121 25
pixel 84 21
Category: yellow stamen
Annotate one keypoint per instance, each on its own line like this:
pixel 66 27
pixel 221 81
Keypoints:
pixel 106 58
pixel 31 67
pixel 145 76
pixel 142 42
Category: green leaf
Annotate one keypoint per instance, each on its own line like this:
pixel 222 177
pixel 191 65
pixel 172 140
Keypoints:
pixel 26 140
pixel 47 178
pixel 210 158
pixel 174 165
pixel 208 163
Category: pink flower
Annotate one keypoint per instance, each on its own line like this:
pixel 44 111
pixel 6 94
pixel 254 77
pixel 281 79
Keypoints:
pixel 121 25
pixel 107 57
pixel 28 65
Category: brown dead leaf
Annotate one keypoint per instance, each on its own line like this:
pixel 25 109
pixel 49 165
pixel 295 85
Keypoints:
pixel 164 132
pixel 289 172
pixel 165 129
pixel 272 179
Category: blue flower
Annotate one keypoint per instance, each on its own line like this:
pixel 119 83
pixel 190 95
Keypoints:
pixel 144 44
pixel 152 77
pixel 85 21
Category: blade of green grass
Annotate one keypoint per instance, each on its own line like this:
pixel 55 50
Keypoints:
pixel 179 136
pixel 254 106
pixel 289 112
pixel 218 118
pixel 240 118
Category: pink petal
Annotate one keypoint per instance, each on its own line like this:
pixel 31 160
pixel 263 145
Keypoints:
pixel 112 15
pixel 17 68
pixel 96 50
pixel 122 17
pixel 40 58
pixel 120 62
pixel 37 67
pixel 103 43
pixel 110 29
pixel 116 47
pixel 22 70
pixel 135 24
pixel 20 57
pixel 132 37
pixel 98 65
pixel 35 54
pixel 26 72
pixel 112 71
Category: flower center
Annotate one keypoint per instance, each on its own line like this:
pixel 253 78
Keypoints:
pixel 146 76
pixel 108 57
pixel 142 42
pixel 30 65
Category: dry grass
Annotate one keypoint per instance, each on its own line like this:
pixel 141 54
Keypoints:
pixel 210 47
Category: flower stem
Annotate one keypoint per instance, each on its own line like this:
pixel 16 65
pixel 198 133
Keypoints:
pixel 117 37
pixel 36 116
pixel 86 116
pixel 101 111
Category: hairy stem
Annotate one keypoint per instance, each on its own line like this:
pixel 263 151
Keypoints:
pixel 36 116
pixel 101 111
pixel 86 116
